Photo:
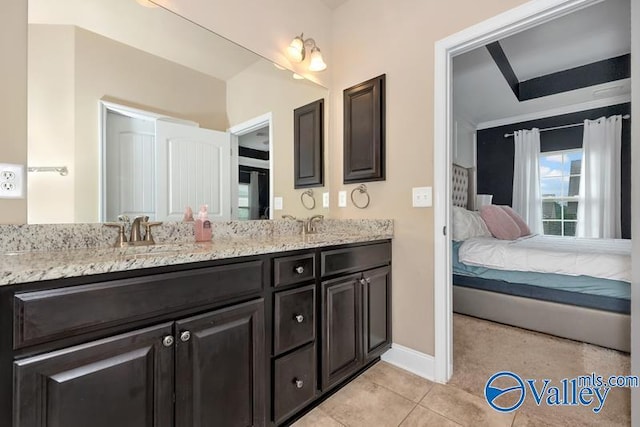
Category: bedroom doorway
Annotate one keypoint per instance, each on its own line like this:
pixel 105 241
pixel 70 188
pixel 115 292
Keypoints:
pixel 517 20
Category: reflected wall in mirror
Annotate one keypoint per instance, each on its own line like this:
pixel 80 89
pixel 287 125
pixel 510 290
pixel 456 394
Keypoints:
pixel 88 58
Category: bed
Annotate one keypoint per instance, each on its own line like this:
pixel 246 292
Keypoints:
pixel 522 293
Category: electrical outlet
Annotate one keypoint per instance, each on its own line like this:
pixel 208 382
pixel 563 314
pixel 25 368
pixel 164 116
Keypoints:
pixel 12 181
pixel 277 203
pixel 342 199
pixel 325 200
pixel 422 197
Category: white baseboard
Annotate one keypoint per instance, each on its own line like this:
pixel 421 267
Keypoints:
pixel 411 360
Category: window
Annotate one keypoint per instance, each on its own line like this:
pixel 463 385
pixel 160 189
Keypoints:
pixel 559 187
pixel 243 202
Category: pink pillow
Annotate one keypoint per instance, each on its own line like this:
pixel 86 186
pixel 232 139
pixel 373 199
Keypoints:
pixel 499 223
pixel 524 228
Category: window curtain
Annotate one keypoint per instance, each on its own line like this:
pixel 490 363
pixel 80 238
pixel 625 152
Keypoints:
pixel 599 196
pixel 526 178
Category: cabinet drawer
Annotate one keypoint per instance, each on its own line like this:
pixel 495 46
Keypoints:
pixel 57 313
pixel 294 382
pixel 294 318
pixel 293 269
pixel 355 259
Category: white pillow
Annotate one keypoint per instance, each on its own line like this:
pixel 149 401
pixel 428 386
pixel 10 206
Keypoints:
pixel 468 224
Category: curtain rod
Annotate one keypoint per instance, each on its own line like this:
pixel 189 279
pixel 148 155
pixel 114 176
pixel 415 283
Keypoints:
pixel 507 135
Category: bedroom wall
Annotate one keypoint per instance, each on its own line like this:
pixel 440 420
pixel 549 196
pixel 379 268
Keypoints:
pixel 495 154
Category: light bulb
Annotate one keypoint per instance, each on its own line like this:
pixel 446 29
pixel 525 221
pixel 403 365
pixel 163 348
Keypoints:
pixel 296 49
pixel 317 63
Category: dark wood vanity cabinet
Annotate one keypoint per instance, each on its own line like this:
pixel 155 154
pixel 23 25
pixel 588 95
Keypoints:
pixel 356 311
pixel 248 342
pixel 124 381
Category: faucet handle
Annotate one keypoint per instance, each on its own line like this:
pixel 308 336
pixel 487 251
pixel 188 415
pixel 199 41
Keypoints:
pixel 121 240
pixel 147 227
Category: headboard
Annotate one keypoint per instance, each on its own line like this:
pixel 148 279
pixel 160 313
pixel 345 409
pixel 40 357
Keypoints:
pixel 463 187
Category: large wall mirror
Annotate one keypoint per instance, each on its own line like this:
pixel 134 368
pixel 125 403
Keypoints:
pixel 135 110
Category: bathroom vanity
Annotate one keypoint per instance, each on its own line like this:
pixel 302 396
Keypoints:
pixel 253 336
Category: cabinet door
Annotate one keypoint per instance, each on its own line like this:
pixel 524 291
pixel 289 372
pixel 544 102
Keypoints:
pixel 341 329
pixel 376 308
pixel 220 372
pixel 124 381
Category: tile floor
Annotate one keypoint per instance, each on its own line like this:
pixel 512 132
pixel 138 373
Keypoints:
pixel 388 396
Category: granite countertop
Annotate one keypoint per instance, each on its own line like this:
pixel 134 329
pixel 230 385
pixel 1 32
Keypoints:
pixel 32 266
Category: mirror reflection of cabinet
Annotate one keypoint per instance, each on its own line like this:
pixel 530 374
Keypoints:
pixel 308 141
pixel 364 129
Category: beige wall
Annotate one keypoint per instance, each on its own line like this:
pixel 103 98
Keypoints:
pixel 372 37
pixel 51 122
pixel 103 69
pixel 264 26
pixel 13 101
pixel 255 92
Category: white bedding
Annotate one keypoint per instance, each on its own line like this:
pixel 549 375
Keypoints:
pixel 603 258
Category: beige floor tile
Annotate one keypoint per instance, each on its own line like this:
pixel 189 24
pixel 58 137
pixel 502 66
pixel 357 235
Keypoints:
pixel 364 403
pixel 317 418
pixel 423 417
pixel 464 408
pixel 524 420
pixel 395 379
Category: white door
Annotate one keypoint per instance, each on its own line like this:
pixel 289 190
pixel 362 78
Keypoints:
pixel 130 167
pixel 193 168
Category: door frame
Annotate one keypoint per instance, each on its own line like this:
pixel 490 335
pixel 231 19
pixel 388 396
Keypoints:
pixel 243 129
pixel 521 18
pixel 105 107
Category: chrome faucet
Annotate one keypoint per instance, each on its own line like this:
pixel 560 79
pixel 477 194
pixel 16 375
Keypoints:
pixel 311 226
pixel 308 224
pixel 135 235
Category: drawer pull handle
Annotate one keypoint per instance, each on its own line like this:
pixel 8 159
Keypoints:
pixel 368 280
pixel 167 341
pixel 185 336
pixel 299 318
pixel 299 383
pixel 362 281
pixel 299 269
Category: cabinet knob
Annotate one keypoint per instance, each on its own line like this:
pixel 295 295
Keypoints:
pixel 362 281
pixel 167 341
pixel 299 318
pixel 185 336
pixel 368 280
pixel 299 269
pixel 299 383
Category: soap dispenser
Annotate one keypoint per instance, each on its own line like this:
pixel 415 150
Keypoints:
pixel 203 225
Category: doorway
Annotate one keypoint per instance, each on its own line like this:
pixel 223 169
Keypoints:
pixel 156 166
pixel 517 20
pixel 252 152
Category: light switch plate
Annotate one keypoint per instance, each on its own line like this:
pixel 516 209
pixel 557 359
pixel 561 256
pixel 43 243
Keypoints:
pixel 277 203
pixel 325 200
pixel 422 197
pixel 12 181
pixel 342 199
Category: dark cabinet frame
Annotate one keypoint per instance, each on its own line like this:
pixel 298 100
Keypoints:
pixel 364 131
pixel 308 145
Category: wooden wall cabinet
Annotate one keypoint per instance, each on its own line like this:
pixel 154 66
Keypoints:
pixel 308 142
pixel 364 131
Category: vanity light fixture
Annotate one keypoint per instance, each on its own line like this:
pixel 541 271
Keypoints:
pixel 297 52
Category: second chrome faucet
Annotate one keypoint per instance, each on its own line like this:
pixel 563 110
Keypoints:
pixel 308 224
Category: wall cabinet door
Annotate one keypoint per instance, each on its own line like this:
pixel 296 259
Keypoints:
pixel 124 381
pixel 341 329
pixel 220 368
pixel 376 308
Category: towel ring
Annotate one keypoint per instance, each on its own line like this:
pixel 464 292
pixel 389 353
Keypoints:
pixel 363 190
pixel 308 205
